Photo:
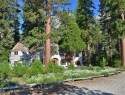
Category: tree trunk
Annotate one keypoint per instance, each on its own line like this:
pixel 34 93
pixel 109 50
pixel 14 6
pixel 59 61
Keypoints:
pixel 123 45
pixel 48 28
pixel 110 50
pixel 88 54
pixel 120 48
pixel 88 45
pixel 123 52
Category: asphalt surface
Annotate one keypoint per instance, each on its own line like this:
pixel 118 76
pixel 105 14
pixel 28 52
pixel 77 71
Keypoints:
pixel 113 85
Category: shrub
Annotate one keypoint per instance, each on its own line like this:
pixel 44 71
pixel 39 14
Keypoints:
pixel 106 74
pixel 36 68
pixel 103 62
pixel 90 67
pixel 5 70
pixel 19 69
pixel 4 56
pixel 83 67
pixel 98 68
pixel 54 68
pixel 6 83
pixel 116 60
pixel 117 63
pixel 71 66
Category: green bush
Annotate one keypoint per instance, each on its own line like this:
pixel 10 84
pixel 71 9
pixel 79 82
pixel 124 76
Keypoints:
pixel 90 67
pixel 5 70
pixel 4 56
pixel 97 60
pixel 36 68
pixel 54 68
pixel 117 63
pixel 116 60
pixel 98 68
pixel 71 66
pixel 83 67
pixel 19 69
pixel 103 62
pixel 106 74
pixel 6 83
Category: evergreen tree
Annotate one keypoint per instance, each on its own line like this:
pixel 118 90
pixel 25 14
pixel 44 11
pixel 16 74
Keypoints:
pixel 117 11
pixel 7 17
pixel 34 23
pixel 72 40
pixel 37 24
pixel 15 17
pixel 105 29
pixel 51 6
pixel 84 14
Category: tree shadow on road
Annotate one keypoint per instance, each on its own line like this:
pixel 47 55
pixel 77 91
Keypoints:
pixel 55 89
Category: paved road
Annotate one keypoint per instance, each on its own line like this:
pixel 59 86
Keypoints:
pixel 113 85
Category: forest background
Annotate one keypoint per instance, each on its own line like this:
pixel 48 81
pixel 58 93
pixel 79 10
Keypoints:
pixel 99 39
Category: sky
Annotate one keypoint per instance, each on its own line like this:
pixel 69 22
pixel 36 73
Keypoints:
pixel 73 7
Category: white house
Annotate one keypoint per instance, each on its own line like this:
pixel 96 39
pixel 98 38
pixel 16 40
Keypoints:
pixel 19 53
pixel 66 58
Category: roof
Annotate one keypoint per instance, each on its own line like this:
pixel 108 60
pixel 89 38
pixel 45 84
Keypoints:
pixel 20 47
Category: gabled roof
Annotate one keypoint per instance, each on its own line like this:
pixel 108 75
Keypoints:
pixel 20 47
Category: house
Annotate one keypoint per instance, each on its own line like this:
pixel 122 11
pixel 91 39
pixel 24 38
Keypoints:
pixel 19 53
pixel 65 58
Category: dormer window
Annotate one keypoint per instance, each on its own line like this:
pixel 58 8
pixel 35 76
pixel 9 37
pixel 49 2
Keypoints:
pixel 16 53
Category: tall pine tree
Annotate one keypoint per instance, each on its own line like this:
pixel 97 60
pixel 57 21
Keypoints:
pixel 84 14
pixel 7 23
pixel 117 10
pixel 37 24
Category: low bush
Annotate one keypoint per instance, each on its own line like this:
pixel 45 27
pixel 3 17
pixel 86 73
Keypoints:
pixel 117 63
pixel 116 60
pixel 54 68
pixel 19 69
pixel 4 56
pixel 98 68
pixel 90 67
pixel 5 70
pixel 71 66
pixel 106 74
pixel 103 62
pixel 36 68
pixel 5 83
pixel 83 67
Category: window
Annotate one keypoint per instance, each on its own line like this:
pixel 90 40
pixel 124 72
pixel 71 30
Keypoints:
pixel 63 62
pixel 16 53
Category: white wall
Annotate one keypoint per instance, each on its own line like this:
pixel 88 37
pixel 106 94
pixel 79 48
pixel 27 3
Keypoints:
pixel 22 56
